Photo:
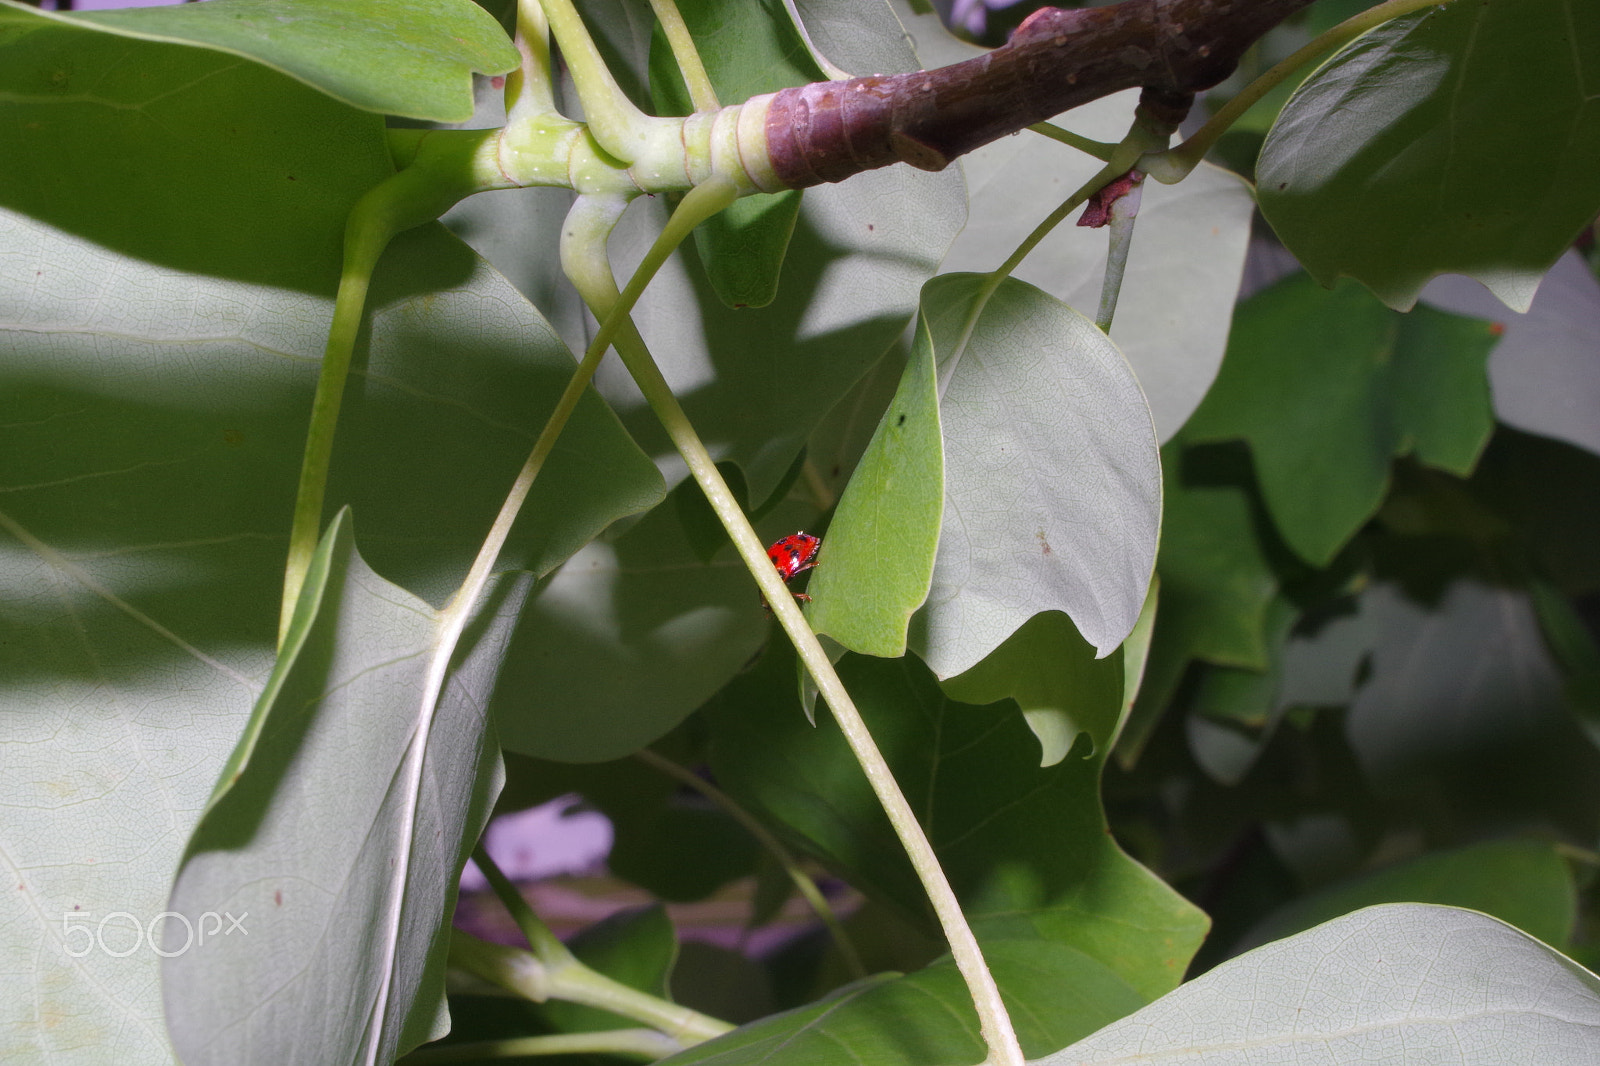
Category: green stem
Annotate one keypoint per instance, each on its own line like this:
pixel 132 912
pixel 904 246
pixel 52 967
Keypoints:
pixel 1172 164
pixel 645 1044
pixel 529 88
pixel 523 973
pixel 550 970
pixel 410 197
pixel 694 73
pixel 612 118
pixel 995 1024
pixel 1114 169
pixel 547 947
pixel 365 239
pixel 483 564
pixel 1106 174
pixel 592 277
pixel 1123 215
pixel 802 881
pixel 437 169
pixel 1100 150
pixel 1575 853
pixel 1140 139
pixel 592 211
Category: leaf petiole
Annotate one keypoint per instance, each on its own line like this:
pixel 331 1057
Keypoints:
pixel 553 972
pixel 647 1044
pixel 436 174
pixel 529 88
pixel 1101 150
pixel 1123 212
pixel 802 881
pixel 687 56
pixel 523 973
pixel 590 272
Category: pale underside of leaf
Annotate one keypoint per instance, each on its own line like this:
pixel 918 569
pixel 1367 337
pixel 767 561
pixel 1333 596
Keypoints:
pixel 1183 270
pixel 340 833
pixel 1387 986
pixel 1052 475
pixel 1543 372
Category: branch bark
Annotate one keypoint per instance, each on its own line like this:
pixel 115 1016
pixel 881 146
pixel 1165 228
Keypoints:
pixel 1055 61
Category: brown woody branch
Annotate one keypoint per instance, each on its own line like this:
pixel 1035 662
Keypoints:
pixel 1056 60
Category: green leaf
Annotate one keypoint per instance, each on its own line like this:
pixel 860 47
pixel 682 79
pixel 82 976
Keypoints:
pixel 182 157
pixel 1575 650
pixel 1449 685
pixel 1549 495
pixel 1053 993
pixel 755 1043
pixel 1052 476
pixel 170 250
pixel 1247 696
pixel 215 167
pixel 1236 709
pixel 1328 387
pixel 1025 847
pixel 1464 139
pixel 1216 579
pixel 624 642
pixel 1053 676
pixel 1136 655
pixel 1183 270
pixel 676 849
pixel 684 853
pixel 840 440
pixel 338 830
pixel 723 981
pixel 150 427
pixel 1386 986
pixel 1525 883
pixel 413 58
pixel 742 248
pixel 881 542
pixel 446 414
